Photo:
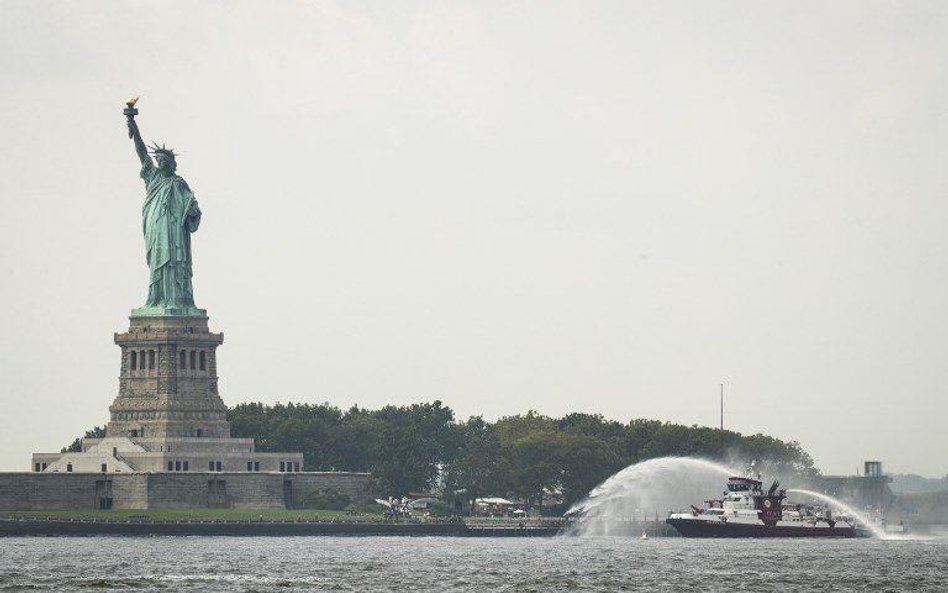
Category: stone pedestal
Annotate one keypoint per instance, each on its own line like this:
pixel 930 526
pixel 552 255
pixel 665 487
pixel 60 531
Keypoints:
pixel 168 416
pixel 168 380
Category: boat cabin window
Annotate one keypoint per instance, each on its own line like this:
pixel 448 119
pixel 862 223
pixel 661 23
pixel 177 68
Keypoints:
pixel 714 512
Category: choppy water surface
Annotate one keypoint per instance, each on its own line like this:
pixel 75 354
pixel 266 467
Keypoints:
pixel 470 564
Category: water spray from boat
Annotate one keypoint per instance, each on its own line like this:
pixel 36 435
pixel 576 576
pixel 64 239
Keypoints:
pixel 860 518
pixel 652 489
pixel 646 491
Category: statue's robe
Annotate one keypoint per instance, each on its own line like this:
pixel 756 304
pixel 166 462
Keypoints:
pixel 169 215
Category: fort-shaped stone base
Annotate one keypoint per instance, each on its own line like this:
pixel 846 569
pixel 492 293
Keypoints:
pixel 51 491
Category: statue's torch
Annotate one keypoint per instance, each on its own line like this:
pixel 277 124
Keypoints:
pixel 130 113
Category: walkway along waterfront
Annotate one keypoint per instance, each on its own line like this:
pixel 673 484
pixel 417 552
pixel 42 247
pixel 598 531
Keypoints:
pixel 472 527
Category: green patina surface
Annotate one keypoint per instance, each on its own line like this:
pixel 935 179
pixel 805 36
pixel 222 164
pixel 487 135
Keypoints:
pixel 170 214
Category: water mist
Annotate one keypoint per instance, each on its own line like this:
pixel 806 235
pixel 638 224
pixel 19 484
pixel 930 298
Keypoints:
pixel 645 490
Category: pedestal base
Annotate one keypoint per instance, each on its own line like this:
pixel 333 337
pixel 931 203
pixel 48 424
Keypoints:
pixel 168 380
pixel 147 311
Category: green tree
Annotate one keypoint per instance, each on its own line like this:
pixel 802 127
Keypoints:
pixel 356 441
pixel 586 462
pixel 614 434
pixel 308 428
pixel 774 457
pixel 511 428
pixel 96 432
pixel 534 464
pixel 411 448
pixel 414 442
pixel 474 469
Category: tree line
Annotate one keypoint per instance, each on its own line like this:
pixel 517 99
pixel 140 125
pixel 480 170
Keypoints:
pixel 420 447
pixel 416 448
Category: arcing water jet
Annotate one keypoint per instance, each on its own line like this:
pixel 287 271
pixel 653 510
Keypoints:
pixel 865 522
pixel 645 489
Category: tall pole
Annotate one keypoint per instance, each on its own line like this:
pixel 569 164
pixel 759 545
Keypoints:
pixel 722 406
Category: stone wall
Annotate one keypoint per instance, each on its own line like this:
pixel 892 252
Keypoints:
pixel 358 487
pixel 32 491
pixel 128 492
pixel 264 490
pixel 215 490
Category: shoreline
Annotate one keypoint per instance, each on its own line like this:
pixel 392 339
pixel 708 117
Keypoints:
pixel 51 527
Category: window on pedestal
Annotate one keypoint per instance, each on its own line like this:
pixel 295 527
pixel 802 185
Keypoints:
pixel 202 360
pixel 193 359
pixel 282 466
pixel 69 467
pixel 256 466
pixel 141 360
pixel 132 360
pixel 184 361
pixel 171 466
pixel 105 467
pixel 36 467
pixel 151 360
pixel 184 465
pixel 296 466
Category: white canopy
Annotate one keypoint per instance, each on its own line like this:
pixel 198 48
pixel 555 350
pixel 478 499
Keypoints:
pixel 495 500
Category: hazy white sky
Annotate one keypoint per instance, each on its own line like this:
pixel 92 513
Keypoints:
pixel 596 206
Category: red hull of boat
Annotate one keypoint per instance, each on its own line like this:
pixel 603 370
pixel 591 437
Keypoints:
pixel 689 528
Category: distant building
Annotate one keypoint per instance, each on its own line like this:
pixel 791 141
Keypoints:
pixel 868 490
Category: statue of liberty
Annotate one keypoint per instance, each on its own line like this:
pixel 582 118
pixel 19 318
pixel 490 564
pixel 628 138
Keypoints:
pixel 169 215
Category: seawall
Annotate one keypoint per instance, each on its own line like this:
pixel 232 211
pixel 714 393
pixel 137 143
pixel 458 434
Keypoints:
pixel 27 491
pixel 60 527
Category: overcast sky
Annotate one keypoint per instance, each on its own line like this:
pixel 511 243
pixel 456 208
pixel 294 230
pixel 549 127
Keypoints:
pixel 566 206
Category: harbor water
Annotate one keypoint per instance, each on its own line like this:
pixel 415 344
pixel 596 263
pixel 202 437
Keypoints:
pixel 262 564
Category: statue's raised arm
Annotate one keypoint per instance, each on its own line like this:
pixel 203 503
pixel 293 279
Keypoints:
pixel 133 133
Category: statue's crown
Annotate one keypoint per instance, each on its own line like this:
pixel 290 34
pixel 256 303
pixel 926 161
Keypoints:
pixel 155 149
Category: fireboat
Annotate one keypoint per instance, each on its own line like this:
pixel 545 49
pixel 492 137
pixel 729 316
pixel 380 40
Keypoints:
pixel 745 510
